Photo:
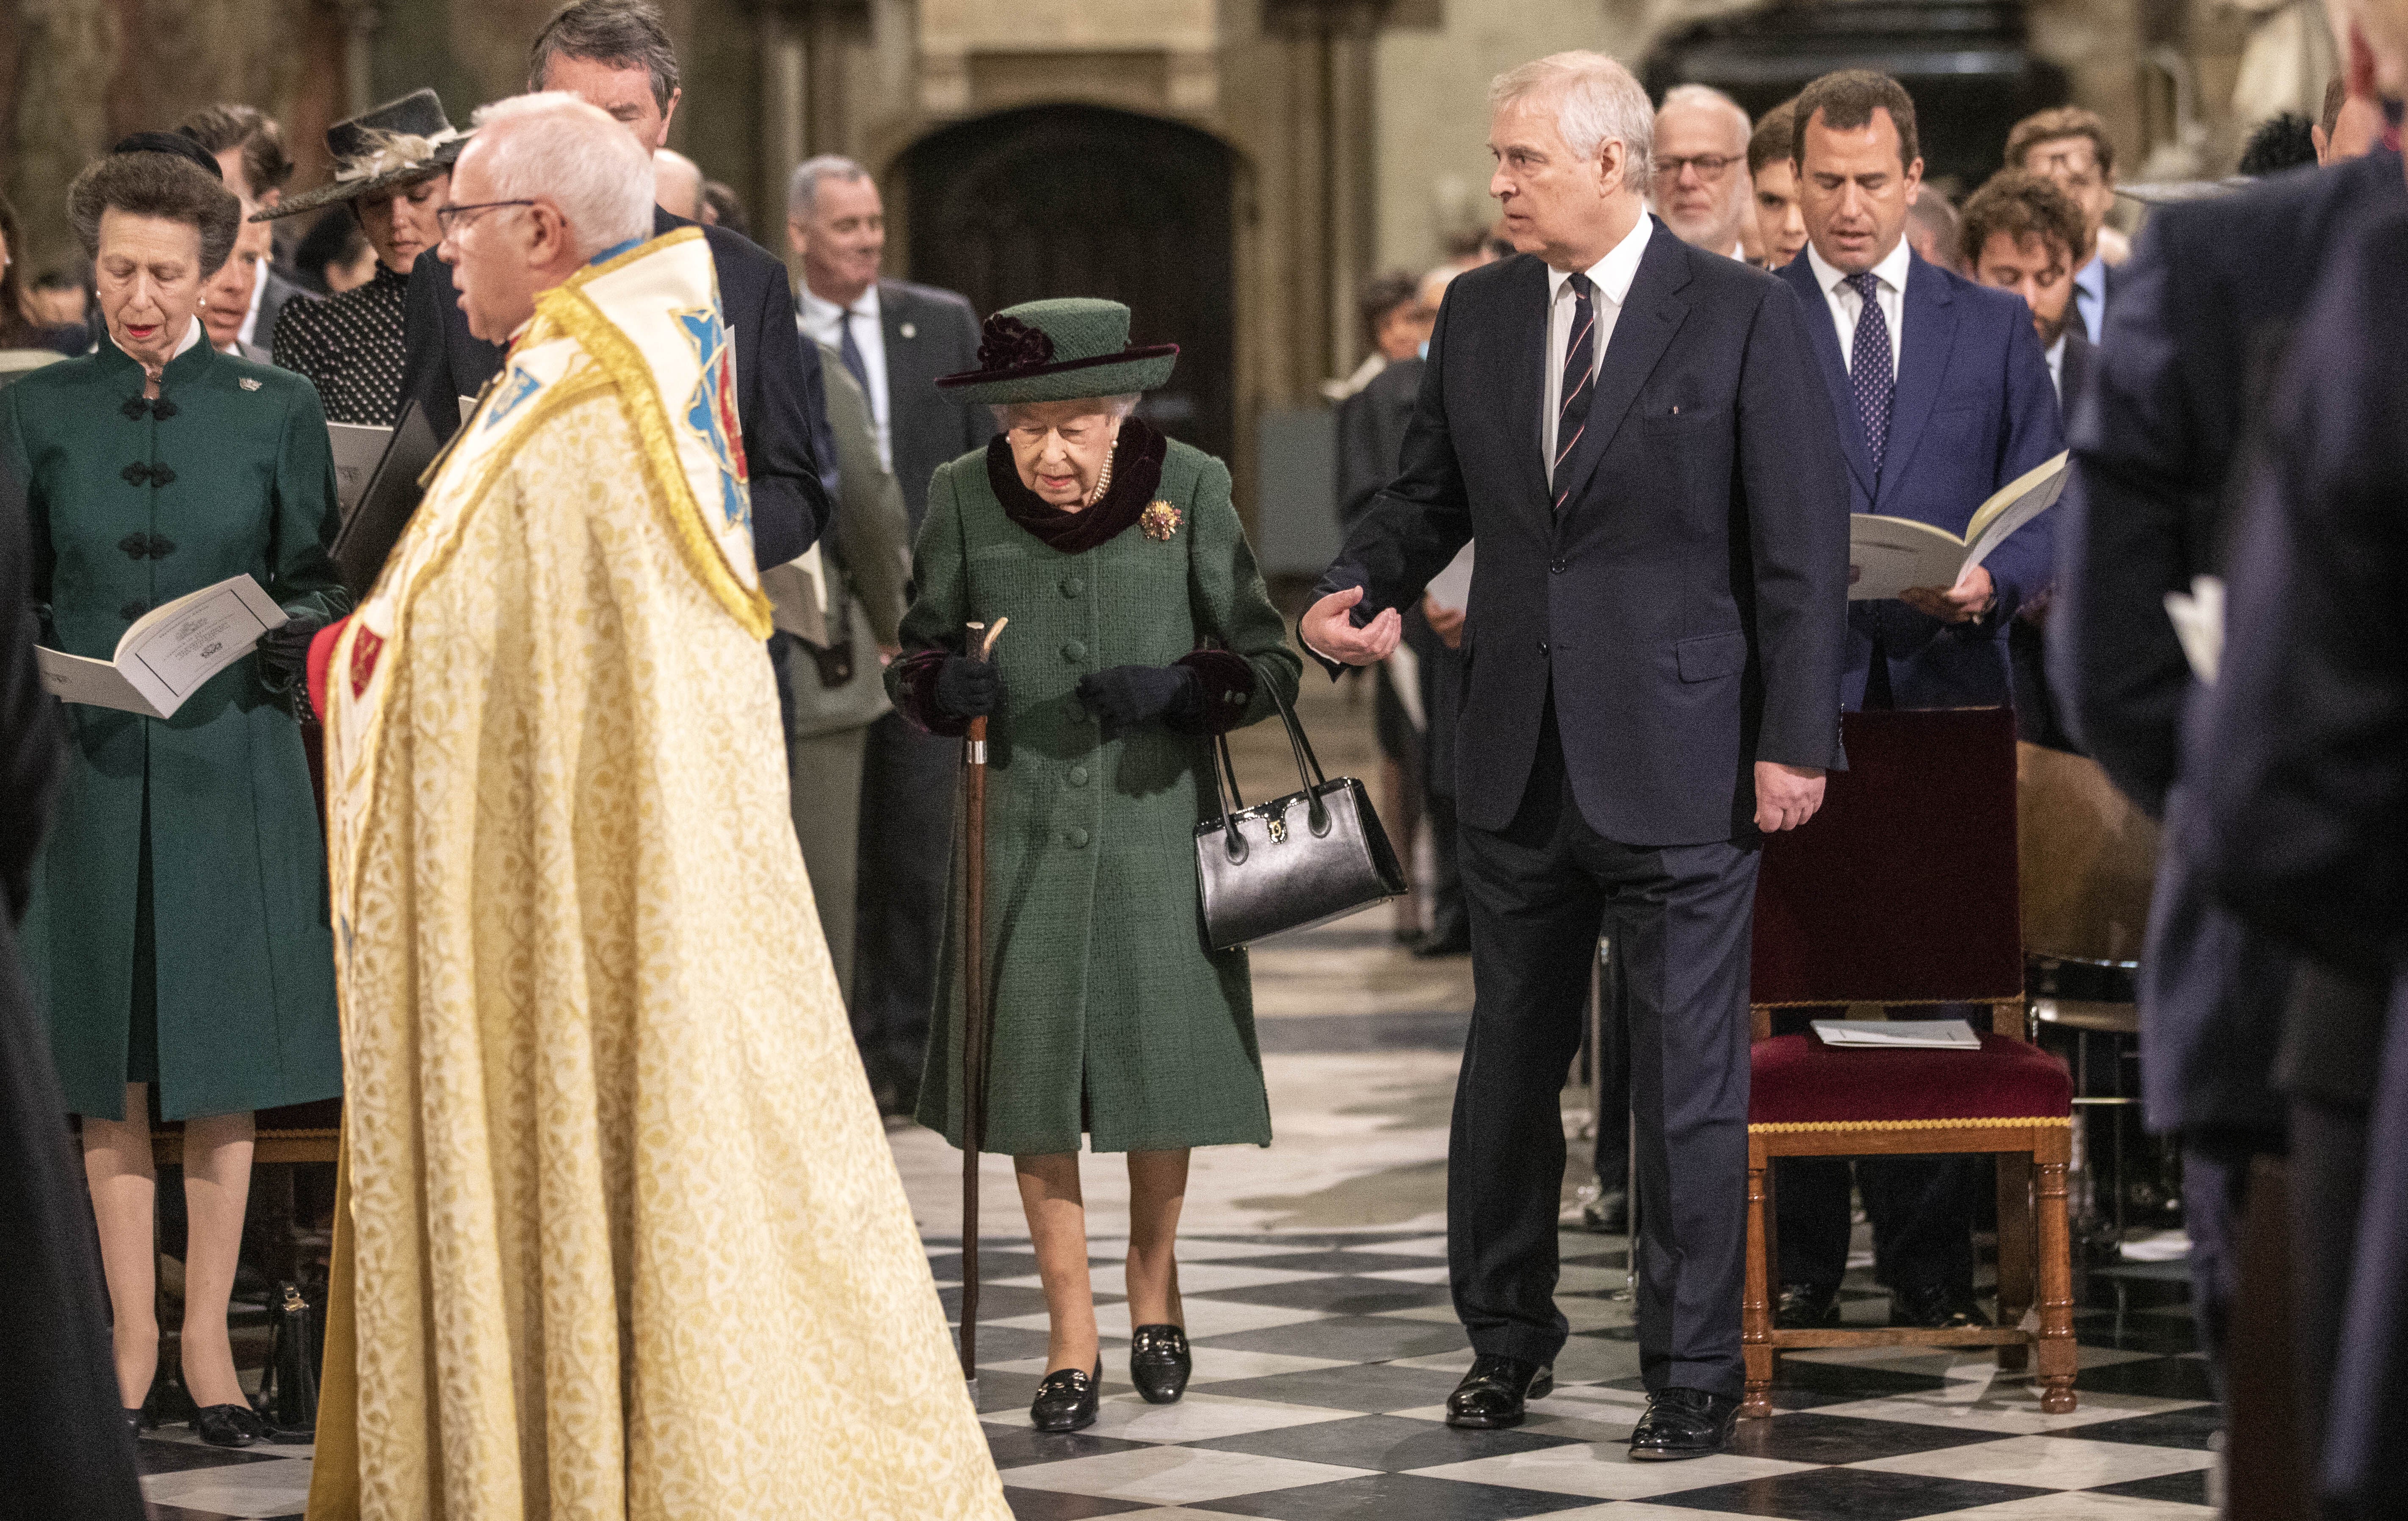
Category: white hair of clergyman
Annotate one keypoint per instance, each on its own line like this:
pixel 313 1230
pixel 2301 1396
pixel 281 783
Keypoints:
pixel 556 147
pixel 1712 99
pixel 1115 407
pixel 1594 100
pixel 803 185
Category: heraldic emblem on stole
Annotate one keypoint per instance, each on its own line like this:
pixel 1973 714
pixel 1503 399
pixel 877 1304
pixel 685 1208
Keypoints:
pixel 713 411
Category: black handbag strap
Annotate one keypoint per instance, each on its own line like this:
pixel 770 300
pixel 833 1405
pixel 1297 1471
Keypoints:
pixel 1308 776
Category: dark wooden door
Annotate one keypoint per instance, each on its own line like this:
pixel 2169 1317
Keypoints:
pixel 1077 200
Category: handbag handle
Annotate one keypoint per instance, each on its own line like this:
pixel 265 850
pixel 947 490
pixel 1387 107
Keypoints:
pixel 1309 775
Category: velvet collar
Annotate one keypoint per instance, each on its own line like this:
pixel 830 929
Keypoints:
pixel 1137 470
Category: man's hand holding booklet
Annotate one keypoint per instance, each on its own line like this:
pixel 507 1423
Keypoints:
pixel 1888 557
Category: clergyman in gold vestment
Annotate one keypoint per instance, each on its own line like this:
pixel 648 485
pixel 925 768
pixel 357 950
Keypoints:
pixel 622 1237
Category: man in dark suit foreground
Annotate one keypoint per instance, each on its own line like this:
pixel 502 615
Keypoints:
pixel 1634 431
pixel 2201 324
pixel 1940 397
pixel 615 54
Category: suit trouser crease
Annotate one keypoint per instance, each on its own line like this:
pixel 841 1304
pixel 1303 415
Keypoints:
pixel 1540 892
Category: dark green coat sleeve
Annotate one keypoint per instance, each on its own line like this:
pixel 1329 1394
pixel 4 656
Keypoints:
pixel 305 516
pixel 932 629
pixel 1232 606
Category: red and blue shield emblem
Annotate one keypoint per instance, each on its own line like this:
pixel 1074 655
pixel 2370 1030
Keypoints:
pixel 711 412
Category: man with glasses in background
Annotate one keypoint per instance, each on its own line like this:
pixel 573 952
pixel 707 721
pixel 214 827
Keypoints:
pixel 1701 184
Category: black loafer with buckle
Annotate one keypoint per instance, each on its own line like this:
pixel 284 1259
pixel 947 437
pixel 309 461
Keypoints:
pixel 1491 1396
pixel 1683 1423
pixel 1159 1363
pixel 228 1426
pixel 1067 1399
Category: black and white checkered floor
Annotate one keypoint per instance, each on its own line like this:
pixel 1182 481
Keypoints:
pixel 1323 1363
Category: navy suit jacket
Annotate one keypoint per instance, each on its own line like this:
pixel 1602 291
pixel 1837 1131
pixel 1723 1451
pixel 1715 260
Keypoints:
pixel 1683 612
pixel 789 451
pixel 1974 409
pixel 2194 339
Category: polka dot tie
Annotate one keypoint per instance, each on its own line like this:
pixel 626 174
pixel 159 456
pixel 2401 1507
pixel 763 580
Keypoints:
pixel 1868 368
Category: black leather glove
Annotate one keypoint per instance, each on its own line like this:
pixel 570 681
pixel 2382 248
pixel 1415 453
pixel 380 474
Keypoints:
pixel 968 687
pixel 1131 694
pixel 284 653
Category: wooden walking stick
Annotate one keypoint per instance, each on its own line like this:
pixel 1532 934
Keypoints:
pixel 974 1010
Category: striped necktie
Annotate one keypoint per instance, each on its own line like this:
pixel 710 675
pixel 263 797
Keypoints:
pixel 850 351
pixel 1580 384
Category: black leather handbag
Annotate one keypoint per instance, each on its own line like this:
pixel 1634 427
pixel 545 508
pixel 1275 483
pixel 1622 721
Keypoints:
pixel 1296 861
pixel 288 1388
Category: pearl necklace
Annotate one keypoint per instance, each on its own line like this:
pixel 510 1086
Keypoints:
pixel 1103 483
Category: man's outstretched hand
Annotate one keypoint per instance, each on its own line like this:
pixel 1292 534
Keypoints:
pixel 1785 796
pixel 1329 632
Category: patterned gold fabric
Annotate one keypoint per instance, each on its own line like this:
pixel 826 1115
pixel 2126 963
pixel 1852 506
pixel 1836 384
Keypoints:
pixel 622 1237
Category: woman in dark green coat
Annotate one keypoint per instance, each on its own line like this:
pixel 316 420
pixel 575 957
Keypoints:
pixel 1139 627
pixel 177 933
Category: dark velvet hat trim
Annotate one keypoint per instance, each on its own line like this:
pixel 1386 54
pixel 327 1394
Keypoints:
pixel 1030 372
pixel 1137 472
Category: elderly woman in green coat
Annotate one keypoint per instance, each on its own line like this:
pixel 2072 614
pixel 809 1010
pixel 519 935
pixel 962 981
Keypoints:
pixel 1139 627
pixel 177 933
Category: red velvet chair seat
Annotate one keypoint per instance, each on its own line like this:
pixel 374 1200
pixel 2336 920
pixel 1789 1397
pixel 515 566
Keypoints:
pixel 1797 1080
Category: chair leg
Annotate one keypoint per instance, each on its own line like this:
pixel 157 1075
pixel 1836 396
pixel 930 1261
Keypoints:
pixel 2016 1249
pixel 1755 1305
pixel 2057 1351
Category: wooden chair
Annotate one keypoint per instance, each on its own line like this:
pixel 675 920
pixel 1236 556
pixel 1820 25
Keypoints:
pixel 1903 890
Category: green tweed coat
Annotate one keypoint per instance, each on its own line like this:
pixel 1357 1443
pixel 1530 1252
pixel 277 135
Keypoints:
pixel 1111 1014
pixel 244 972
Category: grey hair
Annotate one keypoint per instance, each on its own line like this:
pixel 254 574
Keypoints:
pixel 803 185
pixel 554 147
pixel 1116 408
pixel 1708 98
pixel 624 33
pixel 1596 99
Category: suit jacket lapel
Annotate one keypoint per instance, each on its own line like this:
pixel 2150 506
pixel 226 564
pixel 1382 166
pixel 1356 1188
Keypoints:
pixel 900 349
pixel 1528 402
pixel 1931 321
pixel 1800 273
pixel 1652 312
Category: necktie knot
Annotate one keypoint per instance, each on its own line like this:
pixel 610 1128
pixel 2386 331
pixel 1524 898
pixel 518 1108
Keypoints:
pixel 1867 285
pixel 1579 286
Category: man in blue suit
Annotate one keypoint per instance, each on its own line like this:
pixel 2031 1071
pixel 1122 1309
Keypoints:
pixel 1941 395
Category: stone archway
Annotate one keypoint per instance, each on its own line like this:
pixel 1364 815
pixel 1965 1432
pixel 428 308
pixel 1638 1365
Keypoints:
pixel 1081 200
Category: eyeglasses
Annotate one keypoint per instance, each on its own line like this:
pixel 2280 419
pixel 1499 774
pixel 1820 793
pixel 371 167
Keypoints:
pixel 447 219
pixel 1710 166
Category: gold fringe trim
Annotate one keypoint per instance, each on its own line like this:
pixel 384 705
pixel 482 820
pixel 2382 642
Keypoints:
pixel 1796 1126
pixel 583 320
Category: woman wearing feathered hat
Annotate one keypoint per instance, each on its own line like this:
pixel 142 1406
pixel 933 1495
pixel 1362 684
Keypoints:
pixel 1140 628
pixel 393 169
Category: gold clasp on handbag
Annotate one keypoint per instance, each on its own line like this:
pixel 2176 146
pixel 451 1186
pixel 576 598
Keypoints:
pixel 1279 830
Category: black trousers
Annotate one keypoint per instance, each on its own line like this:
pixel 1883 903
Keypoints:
pixel 1921 1209
pixel 1540 891
pixel 906 846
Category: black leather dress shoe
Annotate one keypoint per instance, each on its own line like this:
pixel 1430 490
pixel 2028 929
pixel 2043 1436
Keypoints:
pixel 228 1426
pixel 1683 1423
pixel 1806 1307
pixel 1492 1394
pixel 134 1422
pixel 1936 1307
pixel 1609 1213
pixel 1432 948
pixel 1066 1400
pixel 1159 1363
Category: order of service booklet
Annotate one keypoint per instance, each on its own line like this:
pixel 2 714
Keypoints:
pixel 357 448
pixel 169 653
pixel 1890 555
pixel 1899 1034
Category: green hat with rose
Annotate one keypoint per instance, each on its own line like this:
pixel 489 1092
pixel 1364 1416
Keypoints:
pixel 1062 350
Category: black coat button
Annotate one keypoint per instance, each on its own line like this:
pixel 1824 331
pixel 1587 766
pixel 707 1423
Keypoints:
pixel 161 548
pixel 1556 566
pixel 162 476
pixel 1543 647
pixel 135 475
pixel 136 545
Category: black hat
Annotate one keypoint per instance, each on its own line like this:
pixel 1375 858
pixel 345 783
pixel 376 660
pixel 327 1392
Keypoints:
pixel 173 144
pixel 400 141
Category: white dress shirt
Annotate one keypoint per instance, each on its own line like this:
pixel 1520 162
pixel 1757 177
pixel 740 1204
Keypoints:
pixel 1846 305
pixel 1609 281
pixel 823 322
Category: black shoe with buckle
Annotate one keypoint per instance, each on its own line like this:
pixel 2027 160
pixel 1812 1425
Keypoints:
pixel 229 1426
pixel 1159 1363
pixel 1806 1307
pixel 1936 1307
pixel 1068 1398
pixel 1491 1396
pixel 1683 1423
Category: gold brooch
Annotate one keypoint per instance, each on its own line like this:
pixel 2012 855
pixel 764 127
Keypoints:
pixel 1159 519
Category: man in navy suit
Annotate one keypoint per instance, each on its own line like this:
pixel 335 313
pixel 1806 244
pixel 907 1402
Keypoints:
pixel 1633 430
pixel 615 54
pixel 1938 396
pixel 2195 342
